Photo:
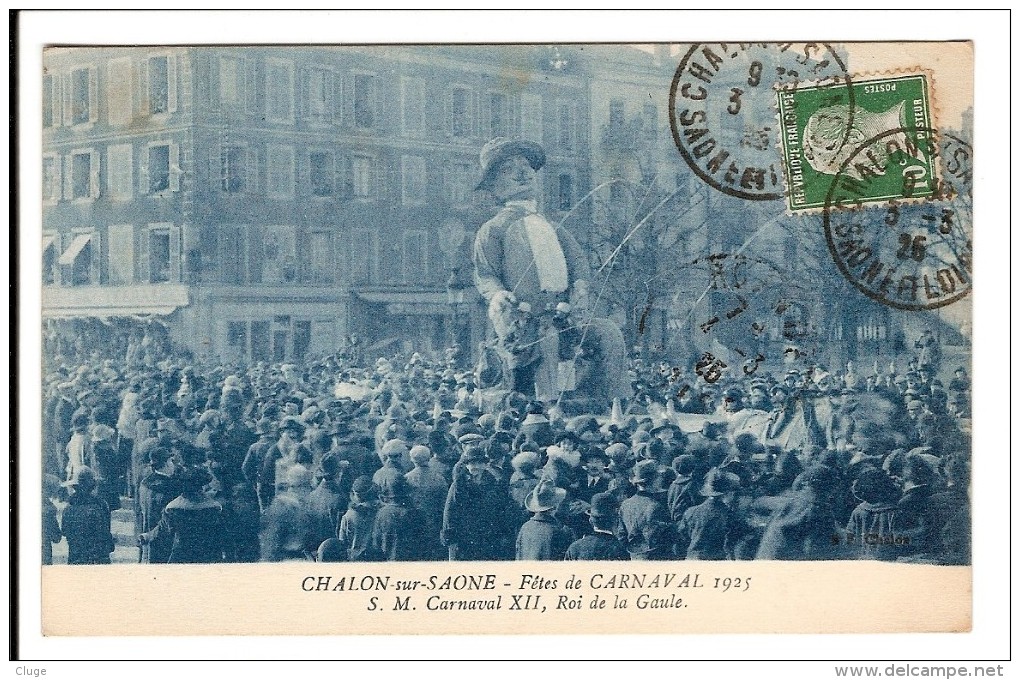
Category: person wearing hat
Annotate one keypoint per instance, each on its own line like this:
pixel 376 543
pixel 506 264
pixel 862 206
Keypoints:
pixel 399 527
pixel 524 266
pixel 255 457
pixel 393 454
pixel 287 451
pixel 602 543
pixel 86 522
pixel 916 520
pixel 684 490
pixel 477 521
pixel 194 522
pixel 78 449
pixel 643 517
pixel 803 522
pixel 355 530
pixel 595 480
pixel 870 532
pixel 543 537
pixel 428 489
pixel 156 490
pixel 328 500
pixel 707 530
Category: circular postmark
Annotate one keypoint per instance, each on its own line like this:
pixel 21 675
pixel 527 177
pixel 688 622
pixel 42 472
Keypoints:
pixel 722 109
pixel 749 309
pixel 910 254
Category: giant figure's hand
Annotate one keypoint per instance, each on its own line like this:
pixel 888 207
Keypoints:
pixel 501 307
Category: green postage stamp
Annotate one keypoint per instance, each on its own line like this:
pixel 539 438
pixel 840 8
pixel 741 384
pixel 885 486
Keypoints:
pixel 874 138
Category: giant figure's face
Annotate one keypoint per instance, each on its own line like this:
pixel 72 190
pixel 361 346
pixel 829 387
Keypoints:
pixel 514 180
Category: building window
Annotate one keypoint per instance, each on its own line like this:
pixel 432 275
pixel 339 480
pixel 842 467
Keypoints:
pixel 415 256
pixel 322 173
pixel 566 192
pixel 233 170
pixel 82 106
pixel 302 339
pixel 531 117
pixel 413 175
pixel 320 257
pixel 364 100
pixel 79 257
pixel 51 178
pixel 48 116
pixel 119 92
pixel 650 120
pixel 231 242
pixel 280 91
pixel 159 85
pixel 237 336
pixel 231 82
pixel 362 174
pixel 159 168
pixel 120 253
pixel 279 254
pixel 320 99
pixel 119 164
pixel 49 248
pixel 159 255
pixel 280 164
pixel 459 183
pixel 498 115
pixel 260 341
pixel 567 126
pixel 412 106
pixel 82 175
pixel 616 114
pixel 363 256
pixel 460 112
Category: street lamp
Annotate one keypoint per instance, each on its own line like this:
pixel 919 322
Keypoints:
pixel 456 289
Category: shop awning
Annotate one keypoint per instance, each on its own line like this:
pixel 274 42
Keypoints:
pixel 74 250
pixel 112 301
pixel 47 243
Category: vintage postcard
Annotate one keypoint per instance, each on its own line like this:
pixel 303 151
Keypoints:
pixel 448 338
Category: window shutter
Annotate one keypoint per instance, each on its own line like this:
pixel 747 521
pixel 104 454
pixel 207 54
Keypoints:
pixel 175 168
pixel 175 254
pixel 304 257
pixel 341 250
pixel 94 186
pixel 96 275
pixel 250 77
pixel 57 100
pixel 143 173
pixel 67 183
pixel 68 89
pixel 380 178
pixel 143 86
pixel 337 109
pixel 171 83
pixel 216 152
pixel 255 253
pixel 251 169
pixel 93 95
pixel 58 178
pixel 378 121
pixel 331 98
pixel 142 249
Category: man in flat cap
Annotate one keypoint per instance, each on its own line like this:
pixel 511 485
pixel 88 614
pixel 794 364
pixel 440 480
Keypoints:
pixel 534 277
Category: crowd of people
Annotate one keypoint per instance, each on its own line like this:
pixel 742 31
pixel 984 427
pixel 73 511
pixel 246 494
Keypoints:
pixel 409 459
